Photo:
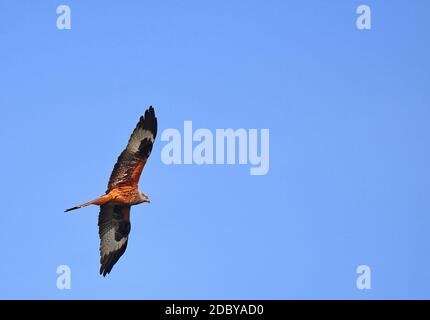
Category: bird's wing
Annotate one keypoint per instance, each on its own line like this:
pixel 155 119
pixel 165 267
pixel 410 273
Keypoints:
pixel 114 227
pixel 130 163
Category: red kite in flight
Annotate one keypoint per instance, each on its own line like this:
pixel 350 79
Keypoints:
pixel 122 192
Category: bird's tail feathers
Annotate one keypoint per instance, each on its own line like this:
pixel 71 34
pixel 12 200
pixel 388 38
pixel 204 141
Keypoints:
pixel 99 201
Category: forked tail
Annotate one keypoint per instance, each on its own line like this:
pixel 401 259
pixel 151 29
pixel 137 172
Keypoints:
pixel 99 201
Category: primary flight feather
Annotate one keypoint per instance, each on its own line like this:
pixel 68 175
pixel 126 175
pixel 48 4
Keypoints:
pixel 123 192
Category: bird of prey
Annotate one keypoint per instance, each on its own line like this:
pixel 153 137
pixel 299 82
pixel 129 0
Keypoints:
pixel 123 192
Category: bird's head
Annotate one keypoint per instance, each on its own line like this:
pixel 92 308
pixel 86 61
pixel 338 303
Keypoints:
pixel 144 197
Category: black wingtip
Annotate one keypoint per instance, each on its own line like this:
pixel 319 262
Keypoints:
pixel 103 272
pixel 149 121
pixel 150 113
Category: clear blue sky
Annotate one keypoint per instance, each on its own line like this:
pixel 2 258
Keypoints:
pixel 348 113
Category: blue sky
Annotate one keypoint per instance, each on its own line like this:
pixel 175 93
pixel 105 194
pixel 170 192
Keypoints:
pixel 348 113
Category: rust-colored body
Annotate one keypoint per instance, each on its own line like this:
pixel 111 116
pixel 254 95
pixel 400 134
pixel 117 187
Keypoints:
pixel 127 195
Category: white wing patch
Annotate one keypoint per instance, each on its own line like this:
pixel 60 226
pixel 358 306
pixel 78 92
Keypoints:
pixel 137 137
